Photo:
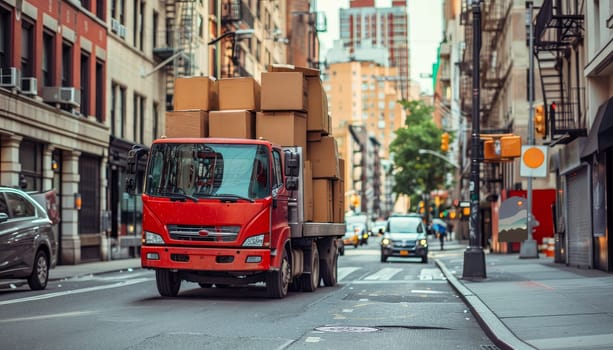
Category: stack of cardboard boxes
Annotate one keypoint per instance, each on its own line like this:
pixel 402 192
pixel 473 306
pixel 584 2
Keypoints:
pixel 289 108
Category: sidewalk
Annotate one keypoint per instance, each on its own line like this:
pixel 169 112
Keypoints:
pixel 536 303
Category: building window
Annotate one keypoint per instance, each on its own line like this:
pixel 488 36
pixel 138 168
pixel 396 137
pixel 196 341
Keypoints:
pixel 27 48
pixel 141 26
pixel 48 58
pixel 5 38
pixel 85 83
pixel 138 118
pixel 99 91
pixel 156 120
pixel 31 159
pixel 86 5
pixel 200 26
pixel 66 64
pixel 155 22
pixel 100 7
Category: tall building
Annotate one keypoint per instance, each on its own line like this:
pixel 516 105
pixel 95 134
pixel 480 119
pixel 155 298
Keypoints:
pixel 363 25
pixel 362 99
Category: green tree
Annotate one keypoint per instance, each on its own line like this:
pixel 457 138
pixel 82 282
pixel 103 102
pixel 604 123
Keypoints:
pixel 418 173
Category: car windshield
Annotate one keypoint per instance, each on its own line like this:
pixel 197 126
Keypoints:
pixel 405 225
pixel 356 221
pixel 199 170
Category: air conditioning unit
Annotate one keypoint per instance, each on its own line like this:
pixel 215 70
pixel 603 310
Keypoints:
pixel 9 77
pixel 115 25
pixel 63 95
pixel 122 31
pixel 29 86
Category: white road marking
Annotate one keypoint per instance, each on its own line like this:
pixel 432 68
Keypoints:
pixel 422 291
pixel 312 340
pixel 384 274
pixel 76 291
pixel 430 274
pixel 343 272
pixel 46 317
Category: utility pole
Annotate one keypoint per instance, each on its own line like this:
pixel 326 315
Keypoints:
pixel 474 257
pixel 528 247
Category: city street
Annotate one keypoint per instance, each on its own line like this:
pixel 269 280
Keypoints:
pixel 400 304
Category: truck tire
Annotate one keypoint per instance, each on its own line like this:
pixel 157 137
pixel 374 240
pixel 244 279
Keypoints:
pixel 168 283
pixel 310 282
pixel 329 270
pixel 277 282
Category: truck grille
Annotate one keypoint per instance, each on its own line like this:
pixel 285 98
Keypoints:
pixel 203 233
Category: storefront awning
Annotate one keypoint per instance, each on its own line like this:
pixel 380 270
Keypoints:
pixel 600 137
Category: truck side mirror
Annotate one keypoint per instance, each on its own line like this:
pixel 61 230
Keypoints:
pixel 292 164
pixel 133 158
pixel 291 183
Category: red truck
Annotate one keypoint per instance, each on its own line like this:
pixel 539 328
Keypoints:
pixel 222 211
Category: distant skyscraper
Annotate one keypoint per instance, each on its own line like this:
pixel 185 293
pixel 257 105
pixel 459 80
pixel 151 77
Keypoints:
pixel 363 25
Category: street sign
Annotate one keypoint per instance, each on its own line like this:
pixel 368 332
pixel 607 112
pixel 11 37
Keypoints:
pixel 533 161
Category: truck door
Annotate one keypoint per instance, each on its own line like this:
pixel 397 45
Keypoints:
pixel 279 211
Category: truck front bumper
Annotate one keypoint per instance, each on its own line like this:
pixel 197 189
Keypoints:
pixel 205 259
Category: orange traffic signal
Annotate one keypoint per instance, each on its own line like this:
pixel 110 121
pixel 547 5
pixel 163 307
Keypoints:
pixel 445 142
pixel 540 121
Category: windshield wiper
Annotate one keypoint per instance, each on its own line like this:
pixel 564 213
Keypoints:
pixel 180 197
pixel 227 197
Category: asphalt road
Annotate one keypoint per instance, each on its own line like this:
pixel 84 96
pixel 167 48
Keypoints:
pixel 401 304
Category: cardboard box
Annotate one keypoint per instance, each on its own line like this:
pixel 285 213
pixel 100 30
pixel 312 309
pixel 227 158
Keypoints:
pixel 283 128
pixel 324 158
pixel 284 91
pixel 338 201
pixel 279 67
pixel 187 123
pixel 322 196
pixel 314 135
pixel 341 168
pixel 195 93
pixel 308 191
pixel 317 116
pixel 233 124
pixel 239 93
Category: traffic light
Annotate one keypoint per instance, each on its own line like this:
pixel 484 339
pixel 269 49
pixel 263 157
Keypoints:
pixel 540 121
pixel 422 206
pixel 355 201
pixel 445 142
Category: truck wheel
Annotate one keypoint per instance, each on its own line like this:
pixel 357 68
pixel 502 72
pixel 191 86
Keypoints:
pixel 277 282
pixel 329 271
pixel 168 283
pixel 310 282
pixel 40 272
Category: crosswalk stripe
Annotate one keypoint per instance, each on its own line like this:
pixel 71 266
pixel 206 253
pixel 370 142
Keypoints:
pixel 384 274
pixel 343 272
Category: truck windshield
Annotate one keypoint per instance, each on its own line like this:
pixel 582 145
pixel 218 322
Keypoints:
pixel 199 170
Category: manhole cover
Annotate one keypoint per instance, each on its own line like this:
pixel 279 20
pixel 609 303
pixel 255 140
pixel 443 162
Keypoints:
pixel 346 329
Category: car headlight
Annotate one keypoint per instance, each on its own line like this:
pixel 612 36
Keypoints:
pixel 423 242
pixel 254 241
pixel 153 238
pixel 385 241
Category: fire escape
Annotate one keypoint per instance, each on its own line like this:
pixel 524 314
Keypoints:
pixel 176 52
pixel 235 14
pixel 558 31
pixel 366 170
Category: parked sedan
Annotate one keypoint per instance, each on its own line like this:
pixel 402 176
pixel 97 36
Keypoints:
pixel 405 237
pixel 28 246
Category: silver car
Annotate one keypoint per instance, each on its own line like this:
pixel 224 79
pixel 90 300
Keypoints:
pixel 28 246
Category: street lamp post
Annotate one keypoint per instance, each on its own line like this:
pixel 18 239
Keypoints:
pixel 474 257
pixel 438 155
pixel 234 37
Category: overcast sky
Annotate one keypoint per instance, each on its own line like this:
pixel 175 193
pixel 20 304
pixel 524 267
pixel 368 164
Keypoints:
pixel 425 28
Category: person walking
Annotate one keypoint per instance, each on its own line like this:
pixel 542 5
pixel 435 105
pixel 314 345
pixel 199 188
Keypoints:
pixel 440 227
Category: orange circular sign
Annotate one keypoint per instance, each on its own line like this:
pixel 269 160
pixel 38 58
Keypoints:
pixel 533 157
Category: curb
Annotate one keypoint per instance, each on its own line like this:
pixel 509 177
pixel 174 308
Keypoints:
pixel 498 332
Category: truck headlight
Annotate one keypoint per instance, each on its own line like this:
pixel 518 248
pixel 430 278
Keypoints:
pixel 153 238
pixel 254 241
